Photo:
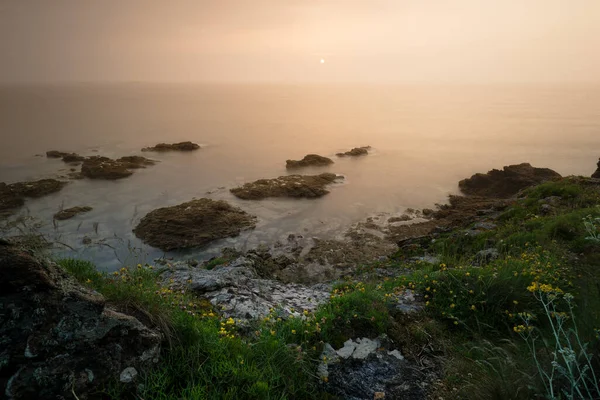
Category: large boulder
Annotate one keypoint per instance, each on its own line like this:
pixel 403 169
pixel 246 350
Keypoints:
pixel 192 224
pixel 12 196
pixel 308 186
pixel 506 182
pixel 60 339
pixel 181 146
pixel 597 173
pixel 357 151
pixel 310 160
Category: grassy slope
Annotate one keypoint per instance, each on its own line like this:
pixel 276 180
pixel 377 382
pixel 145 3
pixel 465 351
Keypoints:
pixel 471 327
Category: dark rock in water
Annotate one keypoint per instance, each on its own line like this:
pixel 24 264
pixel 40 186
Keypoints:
pixel 192 224
pixel 71 212
pixel 402 218
pixel 357 151
pixel 66 157
pixel 56 154
pixel 310 160
pixel 60 338
pixel 508 182
pixel 13 196
pixel 182 146
pixel 97 167
pixel 597 173
pixel 297 186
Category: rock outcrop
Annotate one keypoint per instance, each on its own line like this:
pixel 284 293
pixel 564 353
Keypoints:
pixel 59 339
pixel 181 146
pixel 13 196
pixel 68 213
pixel 369 369
pixel 357 151
pixel 66 157
pixel 310 160
pixel 307 186
pixel 507 182
pixel 192 224
pixel 237 291
pixel 98 167
pixel 597 173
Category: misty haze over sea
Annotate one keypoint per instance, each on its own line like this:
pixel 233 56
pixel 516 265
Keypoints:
pixel 424 139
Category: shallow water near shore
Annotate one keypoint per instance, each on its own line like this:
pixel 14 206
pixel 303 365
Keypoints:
pixel 424 139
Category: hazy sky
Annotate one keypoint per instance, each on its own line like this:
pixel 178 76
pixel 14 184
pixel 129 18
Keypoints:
pixel 285 40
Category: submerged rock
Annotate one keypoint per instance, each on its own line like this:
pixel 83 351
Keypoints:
pixel 13 196
pixel 308 186
pixel 60 338
pixel 71 212
pixel 508 182
pixel 181 146
pixel 310 160
pixel 192 224
pixel 357 151
pixel 238 292
pixel 597 173
pixel 98 167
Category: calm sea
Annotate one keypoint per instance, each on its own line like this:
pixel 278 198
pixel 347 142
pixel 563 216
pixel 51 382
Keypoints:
pixel 424 139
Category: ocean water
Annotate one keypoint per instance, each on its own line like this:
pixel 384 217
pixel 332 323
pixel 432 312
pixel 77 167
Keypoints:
pixel 424 138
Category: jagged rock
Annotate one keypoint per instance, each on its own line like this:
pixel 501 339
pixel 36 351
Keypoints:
pixel 546 209
pixel 310 160
pixel 192 224
pixel 508 182
pixel 60 338
pixel 357 151
pixel 367 369
pixel 597 173
pixel 239 293
pixel 135 162
pixel 71 212
pixel 308 186
pixel 66 157
pixel 181 146
pixel 13 196
pixel 56 154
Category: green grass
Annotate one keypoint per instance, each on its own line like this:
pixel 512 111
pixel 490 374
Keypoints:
pixel 469 322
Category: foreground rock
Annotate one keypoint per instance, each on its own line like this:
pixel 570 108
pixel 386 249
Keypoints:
pixel 98 167
pixel 58 337
pixel 181 146
pixel 192 224
pixel 239 292
pixel 369 369
pixel 310 160
pixel 597 173
pixel 13 196
pixel 68 213
pixel 357 151
pixel 507 182
pixel 297 186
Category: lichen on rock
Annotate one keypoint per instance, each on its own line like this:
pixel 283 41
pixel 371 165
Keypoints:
pixel 60 338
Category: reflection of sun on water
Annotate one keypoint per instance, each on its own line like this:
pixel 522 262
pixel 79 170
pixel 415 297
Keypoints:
pixel 322 61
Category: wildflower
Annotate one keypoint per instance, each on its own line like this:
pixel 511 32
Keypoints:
pixel 455 322
pixel 468 274
pixel 88 281
pixel 305 312
pixel 515 302
pixel 426 303
pixel 293 331
pixel 471 291
pixel 473 307
pixel 272 333
pixel 452 305
pixel 242 362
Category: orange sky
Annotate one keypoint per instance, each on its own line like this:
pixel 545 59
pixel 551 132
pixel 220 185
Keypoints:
pixel 449 41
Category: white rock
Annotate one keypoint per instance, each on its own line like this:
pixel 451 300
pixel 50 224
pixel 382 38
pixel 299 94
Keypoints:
pixel 396 354
pixel 128 375
pixel 364 348
pixel 348 349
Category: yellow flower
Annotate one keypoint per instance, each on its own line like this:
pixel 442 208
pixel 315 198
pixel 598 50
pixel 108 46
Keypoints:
pixel 88 281
pixel 455 322
pixel 305 312
pixel 273 333
pixel 473 307
pixel 293 331
pixel 426 303
pixel 468 274
pixel 242 362
pixel 515 302
pixel 471 291
pixel 452 305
